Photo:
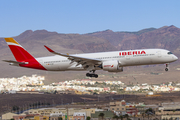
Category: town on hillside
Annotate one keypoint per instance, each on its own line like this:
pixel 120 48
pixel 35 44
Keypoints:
pixel 35 84
pixel 114 109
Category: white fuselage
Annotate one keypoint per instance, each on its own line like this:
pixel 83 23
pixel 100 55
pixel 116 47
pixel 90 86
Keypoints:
pixel 125 58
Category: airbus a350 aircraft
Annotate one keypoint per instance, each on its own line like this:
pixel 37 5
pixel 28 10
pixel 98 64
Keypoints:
pixel 107 61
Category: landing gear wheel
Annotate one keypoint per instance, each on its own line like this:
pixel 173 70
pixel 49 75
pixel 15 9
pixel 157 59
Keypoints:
pixel 96 76
pixel 88 74
pixel 92 74
pixel 166 69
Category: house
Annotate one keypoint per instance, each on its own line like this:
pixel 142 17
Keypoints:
pixel 8 116
pixel 131 110
pixel 79 116
pixel 29 117
pixel 118 106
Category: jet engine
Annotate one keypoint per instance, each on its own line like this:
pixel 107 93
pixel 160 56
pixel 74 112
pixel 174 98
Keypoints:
pixel 112 66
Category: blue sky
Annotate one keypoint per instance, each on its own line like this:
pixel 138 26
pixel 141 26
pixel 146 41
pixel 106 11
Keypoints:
pixel 86 16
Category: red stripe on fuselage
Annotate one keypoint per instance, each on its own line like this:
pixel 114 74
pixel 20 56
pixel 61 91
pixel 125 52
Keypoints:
pixel 33 63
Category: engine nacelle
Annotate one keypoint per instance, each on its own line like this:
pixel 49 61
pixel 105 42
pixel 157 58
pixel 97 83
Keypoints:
pixel 112 66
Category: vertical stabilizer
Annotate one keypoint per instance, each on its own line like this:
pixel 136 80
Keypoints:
pixel 18 51
pixel 24 59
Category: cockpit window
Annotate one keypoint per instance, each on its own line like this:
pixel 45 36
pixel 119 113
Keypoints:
pixel 169 53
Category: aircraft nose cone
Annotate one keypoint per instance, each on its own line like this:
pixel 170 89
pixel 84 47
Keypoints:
pixel 175 58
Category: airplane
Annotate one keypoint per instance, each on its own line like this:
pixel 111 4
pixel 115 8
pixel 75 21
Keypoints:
pixel 108 61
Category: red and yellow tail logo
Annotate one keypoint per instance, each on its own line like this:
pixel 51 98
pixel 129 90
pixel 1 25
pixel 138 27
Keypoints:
pixel 18 51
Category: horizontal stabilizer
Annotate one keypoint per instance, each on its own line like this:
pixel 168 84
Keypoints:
pixel 15 62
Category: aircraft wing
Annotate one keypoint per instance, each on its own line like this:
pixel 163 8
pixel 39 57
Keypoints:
pixel 78 59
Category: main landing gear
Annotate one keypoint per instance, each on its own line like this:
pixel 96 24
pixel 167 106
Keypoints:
pixel 92 74
pixel 167 68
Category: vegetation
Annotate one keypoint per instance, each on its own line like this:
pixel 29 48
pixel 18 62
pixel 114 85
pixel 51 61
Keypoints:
pixel 149 111
pixel 101 115
pixel 60 118
pixel 121 117
pixel 15 108
pixel 126 116
pixel 88 118
pixel 115 117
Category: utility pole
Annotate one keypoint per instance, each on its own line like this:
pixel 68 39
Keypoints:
pixel 37 104
pixel 19 109
pixel 23 108
pixel 45 103
pixel 67 111
pixel 61 101
pixel 53 102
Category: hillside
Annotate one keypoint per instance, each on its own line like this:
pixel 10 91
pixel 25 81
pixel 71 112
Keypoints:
pixel 167 37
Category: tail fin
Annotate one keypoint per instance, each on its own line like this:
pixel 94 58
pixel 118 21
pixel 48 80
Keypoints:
pixel 24 59
pixel 18 51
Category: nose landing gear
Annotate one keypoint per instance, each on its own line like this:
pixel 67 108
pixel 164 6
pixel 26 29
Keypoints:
pixel 92 74
pixel 167 68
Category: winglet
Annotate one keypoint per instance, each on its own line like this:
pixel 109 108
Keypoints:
pixel 52 51
pixel 49 49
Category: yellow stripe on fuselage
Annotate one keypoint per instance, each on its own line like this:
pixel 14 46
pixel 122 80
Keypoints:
pixel 11 40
